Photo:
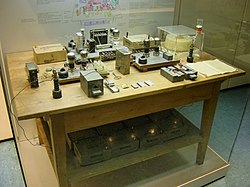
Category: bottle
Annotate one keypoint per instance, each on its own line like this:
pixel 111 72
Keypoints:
pixel 199 39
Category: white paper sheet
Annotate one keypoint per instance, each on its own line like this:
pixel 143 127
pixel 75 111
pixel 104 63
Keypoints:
pixel 211 67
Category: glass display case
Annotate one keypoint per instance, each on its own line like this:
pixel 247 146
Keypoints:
pixel 226 25
pixel 38 118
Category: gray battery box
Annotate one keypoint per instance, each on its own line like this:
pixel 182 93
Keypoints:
pixel 141 120
pixel 92 150
pixel 157 116
pixel 91 83
pixel 121 140
pixel 80 135
pixel 146 131
pixel 110 128
pixel 173 124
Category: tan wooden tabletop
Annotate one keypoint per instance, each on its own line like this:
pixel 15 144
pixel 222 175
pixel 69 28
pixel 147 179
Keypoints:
pixel 38 102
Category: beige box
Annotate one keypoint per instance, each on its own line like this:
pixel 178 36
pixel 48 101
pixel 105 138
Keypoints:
pixel 134 42
pixel 49 53
pixel 122 63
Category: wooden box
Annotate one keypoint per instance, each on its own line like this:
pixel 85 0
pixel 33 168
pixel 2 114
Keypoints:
pixel 49 53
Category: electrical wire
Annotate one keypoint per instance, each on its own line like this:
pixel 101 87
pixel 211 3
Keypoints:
pixel 15 117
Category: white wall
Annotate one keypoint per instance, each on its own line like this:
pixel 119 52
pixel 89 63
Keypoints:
pixel 25 23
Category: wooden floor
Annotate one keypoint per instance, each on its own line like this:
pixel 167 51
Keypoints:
pixel 5 129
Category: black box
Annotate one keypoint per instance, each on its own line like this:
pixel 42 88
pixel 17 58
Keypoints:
pixel 121 140
pixel 110 128
pixel 160 115
pixel 32 73
pixel 145 130
pixel 92 150
pixel 141 120
pixel 173 124
pixel 80 135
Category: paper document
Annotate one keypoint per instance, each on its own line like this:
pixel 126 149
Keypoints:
pixel 211 67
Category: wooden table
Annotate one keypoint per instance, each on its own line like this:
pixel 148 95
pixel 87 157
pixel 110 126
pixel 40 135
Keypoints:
pixel 75 111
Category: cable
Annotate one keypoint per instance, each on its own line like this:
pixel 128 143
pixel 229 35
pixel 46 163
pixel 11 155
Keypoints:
pixel 15 117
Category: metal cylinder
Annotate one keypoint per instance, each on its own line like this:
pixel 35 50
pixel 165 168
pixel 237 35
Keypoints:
pixel 83 36
pixel 79 40
pixel 116 33
pixel 157 41
pixel 146 43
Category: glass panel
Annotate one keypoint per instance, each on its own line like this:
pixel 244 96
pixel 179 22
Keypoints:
pixel 242 55
pixel 226 27
pixel 221 23
pixel 227 120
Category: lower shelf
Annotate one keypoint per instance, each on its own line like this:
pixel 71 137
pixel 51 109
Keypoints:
pixel 78 173
pixel 177 168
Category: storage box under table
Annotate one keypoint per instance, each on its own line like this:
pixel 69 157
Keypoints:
pixel 92 150
pixel 146 131
pixel 120 139
pixel 79 135
pixel 110 128
pixel 172 123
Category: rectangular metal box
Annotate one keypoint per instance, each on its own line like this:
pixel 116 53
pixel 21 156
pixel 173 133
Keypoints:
pixel 91 150
pixel 32 74
pixel 172 123
pixel 80 135
pixel 122 142
pixel 49 53
pixel 122 63
pixel 91 83
pixel 120 139
pixel 109 128
pixel 146 131
pixel 99 35
pixel 173 74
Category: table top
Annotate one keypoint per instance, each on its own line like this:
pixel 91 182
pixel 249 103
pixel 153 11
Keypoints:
pixel 38 102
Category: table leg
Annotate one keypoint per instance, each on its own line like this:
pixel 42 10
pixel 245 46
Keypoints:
pixel 208 113
pixel 58 141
